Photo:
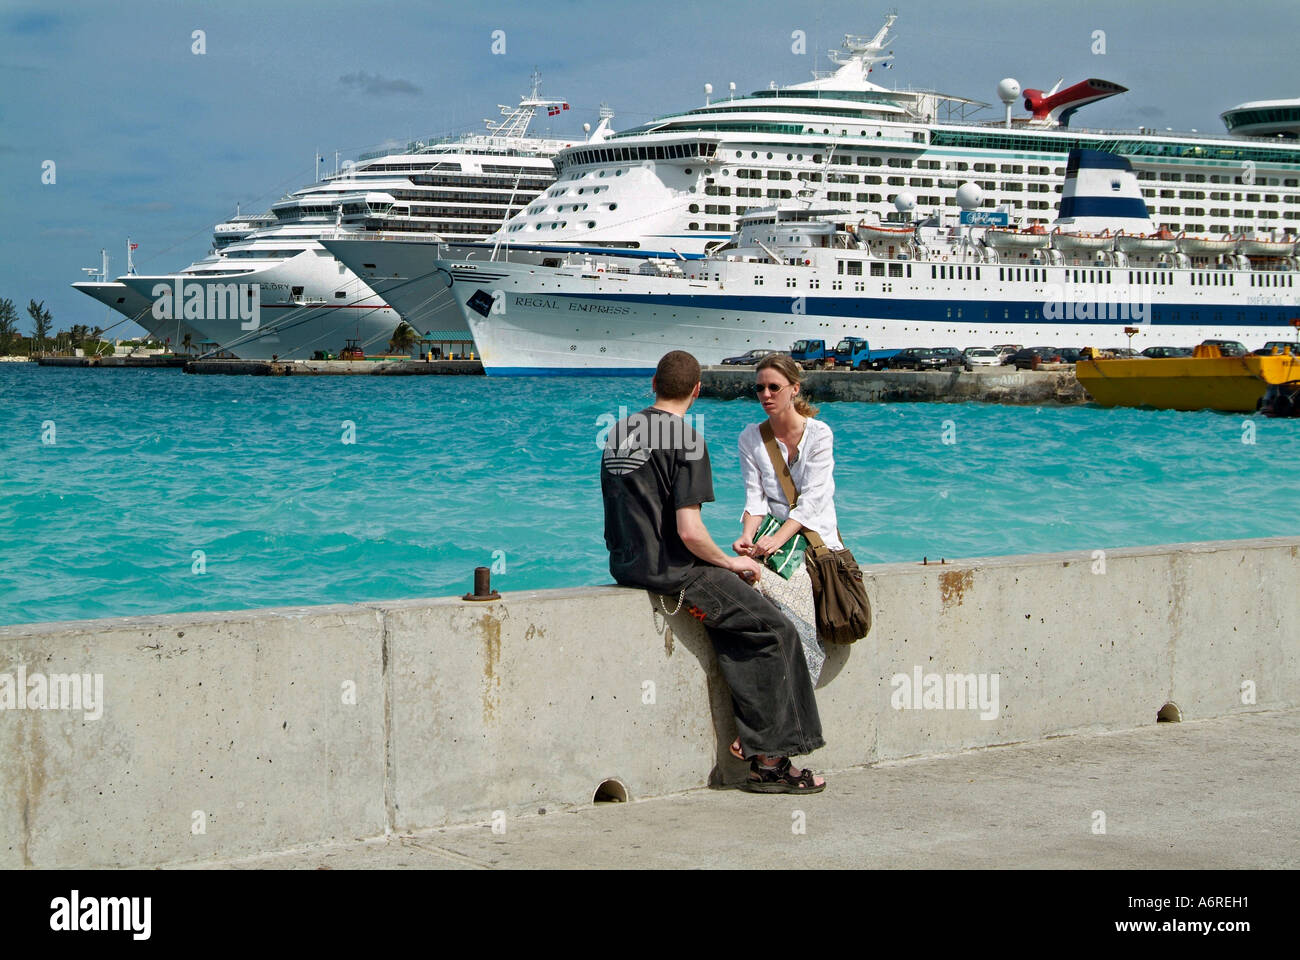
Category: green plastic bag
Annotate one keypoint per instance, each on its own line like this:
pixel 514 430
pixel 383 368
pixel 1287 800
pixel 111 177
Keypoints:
pixel 787 560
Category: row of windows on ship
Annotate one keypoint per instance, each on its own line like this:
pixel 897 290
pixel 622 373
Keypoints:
pixel 962 166
pixel 446 166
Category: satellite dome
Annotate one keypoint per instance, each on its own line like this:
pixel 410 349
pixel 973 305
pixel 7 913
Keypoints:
pixel 904 202
pixel 1008 90
pixel 969 196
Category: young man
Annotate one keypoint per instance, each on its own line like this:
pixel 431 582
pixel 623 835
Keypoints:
pixel 654 475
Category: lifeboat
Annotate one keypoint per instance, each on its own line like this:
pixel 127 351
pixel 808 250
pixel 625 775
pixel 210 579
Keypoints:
pixel 880 231
pixel 1162 241
pixel 1205 246
pixel 1008 238
pixel 1261 247
pixel 1082 241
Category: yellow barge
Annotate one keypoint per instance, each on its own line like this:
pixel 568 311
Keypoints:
pixel 1206 381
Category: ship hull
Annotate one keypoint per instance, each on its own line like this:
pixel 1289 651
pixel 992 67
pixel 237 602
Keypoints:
pixel 301 310
pixel 529 320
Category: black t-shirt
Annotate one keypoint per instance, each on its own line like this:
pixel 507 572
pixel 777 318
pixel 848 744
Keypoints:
pixel 653 464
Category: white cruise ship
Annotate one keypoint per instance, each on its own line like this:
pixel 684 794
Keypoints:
pixel 678 185
pixel 305 300
pixel 795 272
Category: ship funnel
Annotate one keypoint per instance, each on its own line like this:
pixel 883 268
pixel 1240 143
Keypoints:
pixel 1056 109
pixel 1102 193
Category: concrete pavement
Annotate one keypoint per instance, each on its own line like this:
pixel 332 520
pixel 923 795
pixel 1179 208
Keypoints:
pixel 1219 793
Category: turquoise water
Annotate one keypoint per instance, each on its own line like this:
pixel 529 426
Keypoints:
pixel 449 473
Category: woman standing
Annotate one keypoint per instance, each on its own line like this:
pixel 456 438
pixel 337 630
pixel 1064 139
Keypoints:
pixel 806 445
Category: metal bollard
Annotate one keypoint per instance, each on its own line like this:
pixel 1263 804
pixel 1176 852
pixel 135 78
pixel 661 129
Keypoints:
pixel 482 586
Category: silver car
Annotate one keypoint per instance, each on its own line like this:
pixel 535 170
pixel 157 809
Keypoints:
pixel 980 357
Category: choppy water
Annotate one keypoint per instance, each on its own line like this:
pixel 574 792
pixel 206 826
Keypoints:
pixel 148 466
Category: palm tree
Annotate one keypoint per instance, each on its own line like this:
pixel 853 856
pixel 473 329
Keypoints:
pixel 41 320
pixel 188 343
pixel 403 338
pixel 8 325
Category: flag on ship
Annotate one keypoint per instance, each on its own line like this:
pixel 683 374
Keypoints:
pixel 135 246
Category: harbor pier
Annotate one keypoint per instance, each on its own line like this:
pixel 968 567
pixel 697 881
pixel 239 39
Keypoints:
pixel 396 367
pixel 228 734
pixel 1052 383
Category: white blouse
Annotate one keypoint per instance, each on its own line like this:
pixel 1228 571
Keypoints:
pixel 812 473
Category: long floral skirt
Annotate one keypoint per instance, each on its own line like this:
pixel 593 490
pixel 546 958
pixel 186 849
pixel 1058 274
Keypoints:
pixel 794 597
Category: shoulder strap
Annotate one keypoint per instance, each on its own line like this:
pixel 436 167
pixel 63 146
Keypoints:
pixel 782 469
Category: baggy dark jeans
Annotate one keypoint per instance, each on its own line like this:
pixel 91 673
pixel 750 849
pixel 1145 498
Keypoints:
pixel 762 660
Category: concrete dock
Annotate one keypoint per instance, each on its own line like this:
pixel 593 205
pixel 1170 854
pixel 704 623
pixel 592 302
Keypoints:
pixel 1209 794
pixel 1054 384
pixel 213 736
pixel 398 367
pixel 107 363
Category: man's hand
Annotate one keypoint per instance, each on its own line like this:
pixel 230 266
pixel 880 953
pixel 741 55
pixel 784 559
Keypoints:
pixel 746 569
pixel 697 540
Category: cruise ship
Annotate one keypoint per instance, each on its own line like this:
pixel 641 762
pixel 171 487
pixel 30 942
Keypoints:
pixel 679 185
pixel 305 301
pixel 795 271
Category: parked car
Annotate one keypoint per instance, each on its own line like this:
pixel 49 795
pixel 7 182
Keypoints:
pixel 1069 354
pixel 748 358
pixel 1227 348
pixel 949 357
pixel 981 357
pixel 1281 346
pixel 1161 353
pixel 1005 350
pixel 1030 356
pixel 913 358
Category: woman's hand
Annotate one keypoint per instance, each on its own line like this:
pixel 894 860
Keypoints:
pixel 766 546
pixel 742 547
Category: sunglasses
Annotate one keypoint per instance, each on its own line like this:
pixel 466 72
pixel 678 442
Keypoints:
pixel 762 388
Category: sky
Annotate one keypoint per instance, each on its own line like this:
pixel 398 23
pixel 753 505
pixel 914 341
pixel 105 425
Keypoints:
pixel 148 139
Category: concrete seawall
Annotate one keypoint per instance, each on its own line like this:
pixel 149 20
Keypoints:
pixel 397 367
pixel 996 385
pixel 230 733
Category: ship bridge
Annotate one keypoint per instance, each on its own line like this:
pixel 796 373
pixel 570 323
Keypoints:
pixel 1264 118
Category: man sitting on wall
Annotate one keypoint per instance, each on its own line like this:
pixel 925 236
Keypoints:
pixel 654 476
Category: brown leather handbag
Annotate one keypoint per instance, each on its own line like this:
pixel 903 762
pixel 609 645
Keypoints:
pixel 840 599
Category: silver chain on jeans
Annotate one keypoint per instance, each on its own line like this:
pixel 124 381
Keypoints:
pixel 668 613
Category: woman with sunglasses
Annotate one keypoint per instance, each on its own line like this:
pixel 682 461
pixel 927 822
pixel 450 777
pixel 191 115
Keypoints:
pixel 806 445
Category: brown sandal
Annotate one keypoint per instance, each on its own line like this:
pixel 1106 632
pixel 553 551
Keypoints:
pixel 778 779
